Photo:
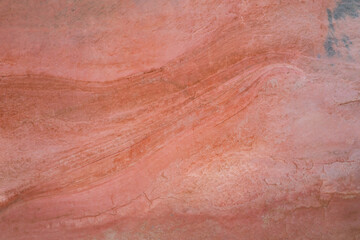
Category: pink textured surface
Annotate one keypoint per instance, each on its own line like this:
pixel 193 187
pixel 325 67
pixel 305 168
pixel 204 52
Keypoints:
pixel 179 119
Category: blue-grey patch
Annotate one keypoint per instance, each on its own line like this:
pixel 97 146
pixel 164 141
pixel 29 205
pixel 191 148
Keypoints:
pixel 347 8
pixel 347 42
pixel 330 19
pixel 329 46
pixel 343 8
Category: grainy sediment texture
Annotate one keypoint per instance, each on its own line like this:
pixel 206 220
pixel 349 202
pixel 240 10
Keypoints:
pixel 206 119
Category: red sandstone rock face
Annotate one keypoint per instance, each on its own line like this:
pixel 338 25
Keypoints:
pixel 179 120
